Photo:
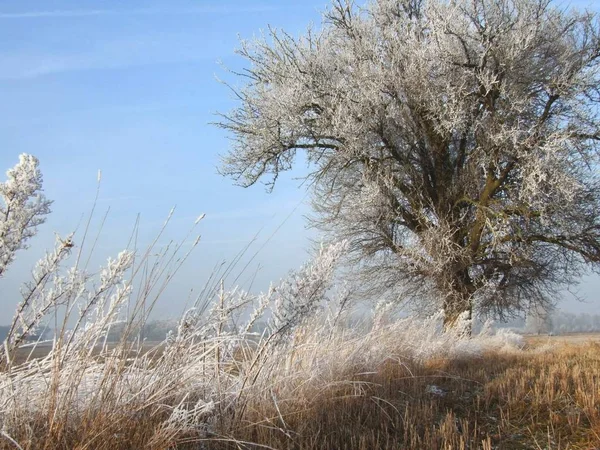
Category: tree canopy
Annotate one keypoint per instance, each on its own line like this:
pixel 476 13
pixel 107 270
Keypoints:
pixel 452 143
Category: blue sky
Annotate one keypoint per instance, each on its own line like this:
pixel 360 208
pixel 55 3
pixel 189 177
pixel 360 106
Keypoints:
pixel 130 88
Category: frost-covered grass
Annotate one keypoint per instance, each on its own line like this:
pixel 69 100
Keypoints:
pixel 207 381
pixel 402 384
pixel 206 377
pixel 315 378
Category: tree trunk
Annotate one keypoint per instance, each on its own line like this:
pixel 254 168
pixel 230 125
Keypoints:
pixel 458 304
pixel 454 312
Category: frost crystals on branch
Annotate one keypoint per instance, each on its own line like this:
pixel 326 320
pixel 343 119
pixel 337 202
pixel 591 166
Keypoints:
pixel 22 208
pixel 298 296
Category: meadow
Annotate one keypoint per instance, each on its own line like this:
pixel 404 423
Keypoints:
pixel 387 383
pixel 296 367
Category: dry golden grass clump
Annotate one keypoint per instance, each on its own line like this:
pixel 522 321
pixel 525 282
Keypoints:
pixel 343 391
pixel 535 398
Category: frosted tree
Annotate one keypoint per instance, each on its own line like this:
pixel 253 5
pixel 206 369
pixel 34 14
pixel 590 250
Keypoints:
pixel 453 144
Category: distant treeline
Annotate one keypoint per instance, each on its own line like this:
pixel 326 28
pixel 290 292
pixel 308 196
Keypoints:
pixel 557 322
pixel 565 322
pixel 152 331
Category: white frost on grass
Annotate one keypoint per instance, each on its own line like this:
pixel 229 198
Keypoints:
pixel 213 365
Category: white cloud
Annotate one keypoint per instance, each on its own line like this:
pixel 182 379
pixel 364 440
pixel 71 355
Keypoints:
pixel 134 12
pixel 125 52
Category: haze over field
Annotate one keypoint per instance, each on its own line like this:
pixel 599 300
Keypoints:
pixel 130 89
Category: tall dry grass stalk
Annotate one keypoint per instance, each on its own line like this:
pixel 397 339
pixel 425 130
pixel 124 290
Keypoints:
pixel 206 379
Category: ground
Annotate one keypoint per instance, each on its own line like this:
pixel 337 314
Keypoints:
pixel 546 396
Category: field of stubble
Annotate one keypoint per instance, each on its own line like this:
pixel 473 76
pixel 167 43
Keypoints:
pixel 546 396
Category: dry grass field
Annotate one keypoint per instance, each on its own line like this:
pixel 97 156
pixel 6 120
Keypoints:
pixel 546 396
pixel 571 338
